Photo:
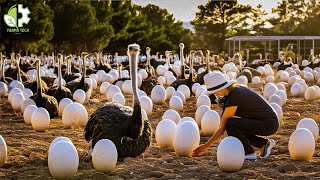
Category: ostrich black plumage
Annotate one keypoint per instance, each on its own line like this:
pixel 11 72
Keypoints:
pixel 58 90
pixel 42 100
pixel 123 125
pixel 79 82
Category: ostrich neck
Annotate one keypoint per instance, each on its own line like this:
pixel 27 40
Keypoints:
pixel 248 58
pixel 207 63
pixel 148 58
pixel 181 57
pixel 84 73
pixel 18 70
pixel 168 61
pixel 39 86
pixel 134 79
pixel 191 67
pixel 2 69
pixel 59 74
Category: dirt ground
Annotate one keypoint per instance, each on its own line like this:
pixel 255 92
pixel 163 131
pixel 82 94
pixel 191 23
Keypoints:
pixel 28 150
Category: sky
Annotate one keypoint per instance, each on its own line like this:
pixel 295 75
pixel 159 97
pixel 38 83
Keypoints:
pixel 185 10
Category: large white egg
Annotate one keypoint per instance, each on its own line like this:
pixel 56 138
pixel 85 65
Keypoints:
pixel 26 103
pixel 308 77
pixel 63 160
pixel 40 119
pixel 275 99
pixel 104 87
pixel 261 70
pixel 63 103
pixel 146 104
pixel 301 144
pixel 107 78
pixel 296 90
pixel 17 101
pixel 27 93
pixel 112 90
pixel 317 88
pixel 256 80
pixel 170 80
pixel 94 76
pixel 186 139
pixel 74 113
pixel 162 80
pixel 88 94
pixel 165 132
pixel 176 103
pixel 143 73
pixel 172 115
pixel 185 90
pixel 210 122
pixel 119 98
pixel 79 95
pixel 170 91
pixel 203 100
pixel 200 112
pixel 104 156
pixel 303 86
pixel 3 89
pixel 270 79
pixel 13 92
pixel 278 111
pixel 230 154
pixel 3 151
pixel 292 80
pixel 284 76
pixel 243 80
pixel 27 114
pixel 281 86
pixel 185 119
pixel 269 90
pixel 127 87
pixel 195 87
pixel 180 95
pixel 283 95
pixel 200 90
pixel 58 139
pixel 158 94
pixel 310 124
pixel 310 94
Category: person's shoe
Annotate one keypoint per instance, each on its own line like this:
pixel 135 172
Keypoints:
pixel 267 149
pixel 251 157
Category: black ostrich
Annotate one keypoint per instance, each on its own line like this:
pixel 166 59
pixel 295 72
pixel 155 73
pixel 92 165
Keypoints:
pixel 58 90
pixel 149 83
pixel 189 82
pixel 42 100
pixel 79 82
pixel 3 77
pixel 68 76
pixel 168 53
pixel 123 125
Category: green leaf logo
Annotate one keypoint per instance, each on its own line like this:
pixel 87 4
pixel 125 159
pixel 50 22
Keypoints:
pixel 11 18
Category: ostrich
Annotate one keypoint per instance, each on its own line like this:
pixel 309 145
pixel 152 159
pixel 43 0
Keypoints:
pixel 58 90
pixel 11 72
pixel 103 65
pixel 189 82
pixel 123 125
pixel 151 81
pixel 3 78
pixel 200 76
pixel 119 68
pixel 168 53
pixel 42 100
pixel 183 75
pixel 68 76
pixel 79 82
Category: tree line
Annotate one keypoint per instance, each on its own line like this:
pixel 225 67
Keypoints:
pixel 73 26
